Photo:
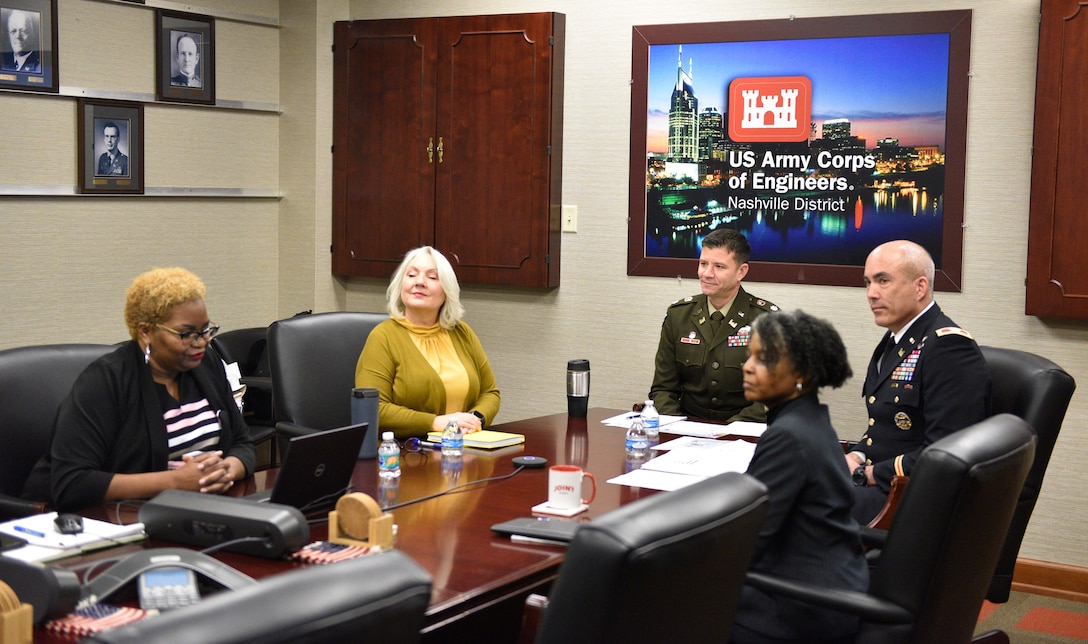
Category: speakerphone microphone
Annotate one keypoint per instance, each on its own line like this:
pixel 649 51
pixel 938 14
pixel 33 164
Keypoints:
pixel 205 520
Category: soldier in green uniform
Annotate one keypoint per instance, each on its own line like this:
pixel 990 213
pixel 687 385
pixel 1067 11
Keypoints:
pixel 704 338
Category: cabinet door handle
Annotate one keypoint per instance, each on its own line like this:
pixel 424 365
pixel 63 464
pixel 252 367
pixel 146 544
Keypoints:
pixel 440 149
pixel 430 150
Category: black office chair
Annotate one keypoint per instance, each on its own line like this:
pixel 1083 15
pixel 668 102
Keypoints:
pixel 939 556
pixel 249 349
pixel 1037 390
pixel 313 360
pixel 378 598
pixel 33 382
pixel 667 568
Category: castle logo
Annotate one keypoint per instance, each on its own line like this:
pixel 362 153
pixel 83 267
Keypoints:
pixel 770 109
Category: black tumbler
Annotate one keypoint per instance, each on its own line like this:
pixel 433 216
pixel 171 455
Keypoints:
pixel 364 409
pixel 577 387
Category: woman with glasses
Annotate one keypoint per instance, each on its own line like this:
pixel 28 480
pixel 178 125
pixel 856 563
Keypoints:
pixel 808 533
pixel 152 415
pixel 427 364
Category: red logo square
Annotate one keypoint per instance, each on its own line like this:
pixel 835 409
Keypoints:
pixel 771 108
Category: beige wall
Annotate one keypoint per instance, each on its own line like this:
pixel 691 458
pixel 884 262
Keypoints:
pixel 64 262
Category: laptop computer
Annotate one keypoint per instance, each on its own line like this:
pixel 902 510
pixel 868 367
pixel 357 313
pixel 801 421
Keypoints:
pixel 316 468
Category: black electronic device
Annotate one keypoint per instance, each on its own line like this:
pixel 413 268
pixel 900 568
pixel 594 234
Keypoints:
pixel 530 462
pixel 52 591
pixel 316 468
pixel 68 523
pixel 539 527
pixel 205 520
pixel 9 542
pixel 118 576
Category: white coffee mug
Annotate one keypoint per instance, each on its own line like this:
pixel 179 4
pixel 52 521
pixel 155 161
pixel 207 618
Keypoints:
pixel 565 487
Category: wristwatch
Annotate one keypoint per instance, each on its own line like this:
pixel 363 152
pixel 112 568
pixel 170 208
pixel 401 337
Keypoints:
pixel 479 415
pixel 859 477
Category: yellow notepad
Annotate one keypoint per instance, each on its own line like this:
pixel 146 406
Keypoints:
pixel 484 439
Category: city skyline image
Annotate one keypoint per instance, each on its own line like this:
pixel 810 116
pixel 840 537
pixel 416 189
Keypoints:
pixel 816 149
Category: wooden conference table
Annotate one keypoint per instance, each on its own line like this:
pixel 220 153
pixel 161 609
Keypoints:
pixel 480 578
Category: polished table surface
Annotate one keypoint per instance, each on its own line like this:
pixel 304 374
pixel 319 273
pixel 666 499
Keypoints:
pixel 480 578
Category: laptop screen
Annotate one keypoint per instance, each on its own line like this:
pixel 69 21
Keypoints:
pixel 317 467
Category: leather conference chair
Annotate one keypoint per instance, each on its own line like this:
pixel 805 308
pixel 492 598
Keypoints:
pixel 379 598
pixel 33 382
pixel 249 349
pixel 1038 391
pixel 939 556
pixel 667 568
pixel 313 360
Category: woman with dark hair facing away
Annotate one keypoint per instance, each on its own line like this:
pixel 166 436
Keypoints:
pixel 808 534
pixel 155 414
pixel 427 364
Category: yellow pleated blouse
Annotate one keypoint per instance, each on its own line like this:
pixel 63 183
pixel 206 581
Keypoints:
pixel 437 348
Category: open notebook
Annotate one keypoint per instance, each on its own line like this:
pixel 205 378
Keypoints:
pixel 44 543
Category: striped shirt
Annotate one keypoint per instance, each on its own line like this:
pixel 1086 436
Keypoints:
pixel 191 424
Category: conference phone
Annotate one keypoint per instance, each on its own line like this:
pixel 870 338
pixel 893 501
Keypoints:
pixel 166 578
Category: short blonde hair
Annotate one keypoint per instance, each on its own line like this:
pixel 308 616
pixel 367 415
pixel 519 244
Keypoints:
pixel 152 296
pixel 452 311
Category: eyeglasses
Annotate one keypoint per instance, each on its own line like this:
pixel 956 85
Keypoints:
pixel 190 337
pixel 414 446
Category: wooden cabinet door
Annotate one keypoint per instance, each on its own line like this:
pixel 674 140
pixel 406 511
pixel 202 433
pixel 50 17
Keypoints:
pixel 497 117
pixel 1057 284
pixel 383 143
pixel 447 132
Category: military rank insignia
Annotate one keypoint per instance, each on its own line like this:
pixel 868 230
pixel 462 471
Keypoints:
pixel 741 338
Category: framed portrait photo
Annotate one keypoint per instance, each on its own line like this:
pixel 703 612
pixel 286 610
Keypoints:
pixel 111 147
pixel 28 48
pixel 184 58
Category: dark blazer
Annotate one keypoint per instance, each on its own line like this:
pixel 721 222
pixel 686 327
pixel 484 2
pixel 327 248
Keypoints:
pixel 808 534
pixel 934 384
pixel 181 80
pixel 105 168
pixel 32 64
pixel 697 372
pixel 112 423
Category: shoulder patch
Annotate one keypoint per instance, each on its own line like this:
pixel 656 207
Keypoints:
pixel 953 330
pixel 682 301
pixel 761 303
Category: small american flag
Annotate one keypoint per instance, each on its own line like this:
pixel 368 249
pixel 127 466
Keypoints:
pixel 323 552
pixel 95 618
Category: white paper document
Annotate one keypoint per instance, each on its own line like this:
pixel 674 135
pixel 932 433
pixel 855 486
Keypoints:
pixel 655 480
pixel 689 460
pixel 704 461
pixel 687 441
pixel 624 420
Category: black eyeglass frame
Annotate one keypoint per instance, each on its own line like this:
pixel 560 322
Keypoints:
pixel 190 337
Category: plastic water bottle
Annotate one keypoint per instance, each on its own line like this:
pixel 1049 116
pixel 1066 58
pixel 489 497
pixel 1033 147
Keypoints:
pixel 636 444
pixel 453 440
pixel 388 457
pixel 651 422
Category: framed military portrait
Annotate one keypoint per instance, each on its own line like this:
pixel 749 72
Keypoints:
pixel 28 49
pixel 111 147
pixel 184 58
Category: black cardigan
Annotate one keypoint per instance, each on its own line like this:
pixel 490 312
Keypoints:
pixel 112 423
